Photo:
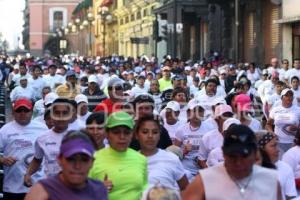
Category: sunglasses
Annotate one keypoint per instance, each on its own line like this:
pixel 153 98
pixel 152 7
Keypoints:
pixel 118 87
pixel 20 110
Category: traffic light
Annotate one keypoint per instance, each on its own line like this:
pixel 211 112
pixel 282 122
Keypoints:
pixel 155 30
pixel 164 32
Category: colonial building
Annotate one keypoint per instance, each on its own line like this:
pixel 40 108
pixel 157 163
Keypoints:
pixel 290 22
pixel 45 18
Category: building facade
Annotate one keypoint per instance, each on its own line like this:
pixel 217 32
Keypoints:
pixel 45 18
pixel 290 22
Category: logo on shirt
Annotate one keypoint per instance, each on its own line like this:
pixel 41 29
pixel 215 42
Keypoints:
pixel 50 143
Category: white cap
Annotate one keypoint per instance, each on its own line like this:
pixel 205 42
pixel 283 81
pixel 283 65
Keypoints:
pixel 221 109
pixel 173 105
pixel 81 98
pixel 193 104
pixel 223 71
pixel 286 90
pixel 187 68
pixel 16 66
pixel 228 122
pixel 125 73
pixel 265 71
pixel 93 79
pixel 50 97
pixel 23 78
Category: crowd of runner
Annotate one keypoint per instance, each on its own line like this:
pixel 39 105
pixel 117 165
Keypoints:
pixel 124 128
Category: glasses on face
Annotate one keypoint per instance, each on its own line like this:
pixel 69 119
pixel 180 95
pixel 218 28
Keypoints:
pixel 118 87
pixel 286 63
pixel 20 110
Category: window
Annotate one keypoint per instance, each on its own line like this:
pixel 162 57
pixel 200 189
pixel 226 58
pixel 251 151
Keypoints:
pixel 121 21
pixel 132 17
pixel 57 19
pixel 138 15
pixel 145 12
pixel 127 19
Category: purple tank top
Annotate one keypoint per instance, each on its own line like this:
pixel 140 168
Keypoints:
pixel 94 190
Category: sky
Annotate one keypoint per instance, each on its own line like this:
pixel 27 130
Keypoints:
pixel 11 20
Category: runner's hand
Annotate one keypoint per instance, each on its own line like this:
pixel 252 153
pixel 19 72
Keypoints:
pixel 27 180
pixel 108 183
pixel 8 161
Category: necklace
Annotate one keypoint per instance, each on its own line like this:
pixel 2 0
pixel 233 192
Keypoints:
pixel 242 187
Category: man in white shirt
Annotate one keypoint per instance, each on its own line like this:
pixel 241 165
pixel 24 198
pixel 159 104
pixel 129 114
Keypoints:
pixel 295 71
pixel 82 107
pixel 16 142
pixel 48 143
pixel 139 87
pixel 171 121
pixel 283 71
pixel 52 79
pixel 295 88
pixel 206 99
pixel 36 82
pixel 22 91
pixel 214 138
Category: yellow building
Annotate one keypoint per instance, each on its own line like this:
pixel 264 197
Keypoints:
pixel 125 28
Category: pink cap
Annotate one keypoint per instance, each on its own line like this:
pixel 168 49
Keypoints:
pixel 275 74
pixel 221 109
pixel 243 102
pixel 202 71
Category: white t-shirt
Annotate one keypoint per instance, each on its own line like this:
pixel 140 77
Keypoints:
pixel 253 77
pixel 185 134
pixel 206 102
pixel 283 74
pixel 137 90
pixel 37 85
pixel 173 128
pixel 215 157
pixel 211 123
pixel 76 125
pixel 271 99
pixel 255 125
pixel 84 117
pixel 38 108
pixel 20 92
pixel 286 179
pixel 292 158
pixel 17 78
pixel 17 141
pixel 47 148
pixel 283 118
pixel 53 80
pixel 210 141
pixel 291 73
pixel 164 168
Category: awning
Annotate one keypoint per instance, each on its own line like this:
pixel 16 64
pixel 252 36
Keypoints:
pixel 106 3
pixel 83 5
pixel 287 20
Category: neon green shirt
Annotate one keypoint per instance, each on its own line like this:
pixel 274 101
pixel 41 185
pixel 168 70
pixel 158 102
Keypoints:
pixel 164 84
pixel 127 171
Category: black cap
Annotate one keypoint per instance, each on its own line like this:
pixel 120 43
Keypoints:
pixel 196 79
pixel 239 139
pixel 178 77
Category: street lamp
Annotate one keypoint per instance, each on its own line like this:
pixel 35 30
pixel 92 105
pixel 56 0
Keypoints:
pixel 90 19
pixel 105 16
pixel 77 25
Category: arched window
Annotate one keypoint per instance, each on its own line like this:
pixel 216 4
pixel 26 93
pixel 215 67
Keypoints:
pixel 57 19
